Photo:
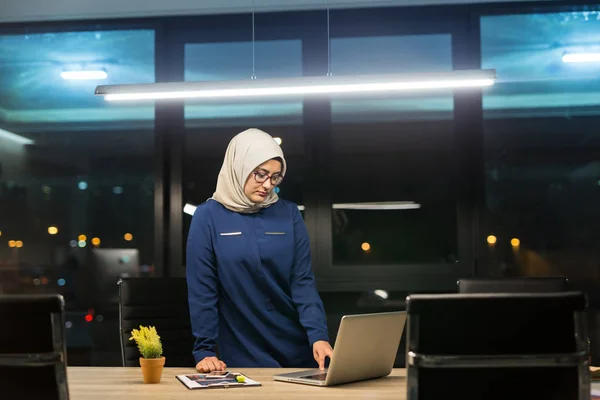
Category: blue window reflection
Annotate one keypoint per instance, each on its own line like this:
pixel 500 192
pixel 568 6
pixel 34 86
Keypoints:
pixel 34 84
pixel 392 55
pixel 234 61
pixel 530 53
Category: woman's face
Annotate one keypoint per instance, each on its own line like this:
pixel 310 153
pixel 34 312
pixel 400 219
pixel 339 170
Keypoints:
pixel 263 180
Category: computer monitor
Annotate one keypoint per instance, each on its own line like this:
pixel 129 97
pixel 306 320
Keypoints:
pixel 108 266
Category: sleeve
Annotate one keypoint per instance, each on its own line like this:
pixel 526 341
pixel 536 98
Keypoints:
pixel 202 281
pixel 303 287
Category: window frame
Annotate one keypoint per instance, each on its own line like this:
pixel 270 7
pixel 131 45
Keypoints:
pixel 155 24
pixel 311 28
pixel 506 9
pixel 462 22
pixel 401 277
pixel 303 26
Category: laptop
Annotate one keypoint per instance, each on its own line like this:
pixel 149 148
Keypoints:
pixel 365 348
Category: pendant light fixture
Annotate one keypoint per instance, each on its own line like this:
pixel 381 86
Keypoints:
pixel 303 86
pixel 306 86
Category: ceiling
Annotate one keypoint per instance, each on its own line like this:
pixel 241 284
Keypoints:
pixel 525 50
pixel 44 10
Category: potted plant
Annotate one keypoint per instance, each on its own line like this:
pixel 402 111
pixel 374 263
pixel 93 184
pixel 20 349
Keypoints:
pixel 150 346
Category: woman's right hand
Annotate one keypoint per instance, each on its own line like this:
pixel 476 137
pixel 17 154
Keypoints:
pixel 210 364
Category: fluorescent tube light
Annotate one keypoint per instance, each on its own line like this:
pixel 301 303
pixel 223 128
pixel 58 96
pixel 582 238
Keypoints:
pixel 378 206
pixel 581 57
pixel 189 209
pixel 381 293
pixel 14 137
pixel 84 75
pixel 302 86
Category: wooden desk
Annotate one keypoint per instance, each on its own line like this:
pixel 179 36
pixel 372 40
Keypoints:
pixel 114 383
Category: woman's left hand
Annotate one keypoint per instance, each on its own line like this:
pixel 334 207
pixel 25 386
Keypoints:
pixel 322 349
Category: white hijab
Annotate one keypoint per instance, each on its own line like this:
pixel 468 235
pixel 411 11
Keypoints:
pixel 246 151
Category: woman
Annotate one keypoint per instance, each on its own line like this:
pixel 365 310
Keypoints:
pixel 251 289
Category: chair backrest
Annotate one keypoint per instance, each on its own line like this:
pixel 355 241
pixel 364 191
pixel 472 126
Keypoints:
pixel 545 284
pixel 497 346
pixel 159 302
pixel 32 347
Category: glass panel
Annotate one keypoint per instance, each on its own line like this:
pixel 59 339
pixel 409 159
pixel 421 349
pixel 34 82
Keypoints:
pixel 211 125
pixel 233 61
pixel 542 148
pixel 76 177
pixel 535 77
pixel 395 156
pixel 542 174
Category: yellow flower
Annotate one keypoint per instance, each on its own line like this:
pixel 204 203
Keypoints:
pixel 148 341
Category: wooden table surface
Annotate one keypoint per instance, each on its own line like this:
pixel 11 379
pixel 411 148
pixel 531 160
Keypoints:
pixel 113 383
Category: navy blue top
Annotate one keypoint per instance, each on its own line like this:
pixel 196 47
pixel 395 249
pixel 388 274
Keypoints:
pixel 251 288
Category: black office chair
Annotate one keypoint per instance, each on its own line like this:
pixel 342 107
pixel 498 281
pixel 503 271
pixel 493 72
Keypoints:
pixel 32 348
pixel 497 346
pixel 159 302
pixel 534 284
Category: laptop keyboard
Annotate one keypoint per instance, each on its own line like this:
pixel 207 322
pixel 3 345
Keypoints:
pixel 318 377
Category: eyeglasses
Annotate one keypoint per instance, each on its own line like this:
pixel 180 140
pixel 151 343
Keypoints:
pixel 261 177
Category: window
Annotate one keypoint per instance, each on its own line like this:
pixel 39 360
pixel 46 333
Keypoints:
pixel 542 144
pixel 76 173
pixel 394 199
pixel 211 125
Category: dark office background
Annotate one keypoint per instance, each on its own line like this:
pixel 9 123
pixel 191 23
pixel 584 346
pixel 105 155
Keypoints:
pixel 507 180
